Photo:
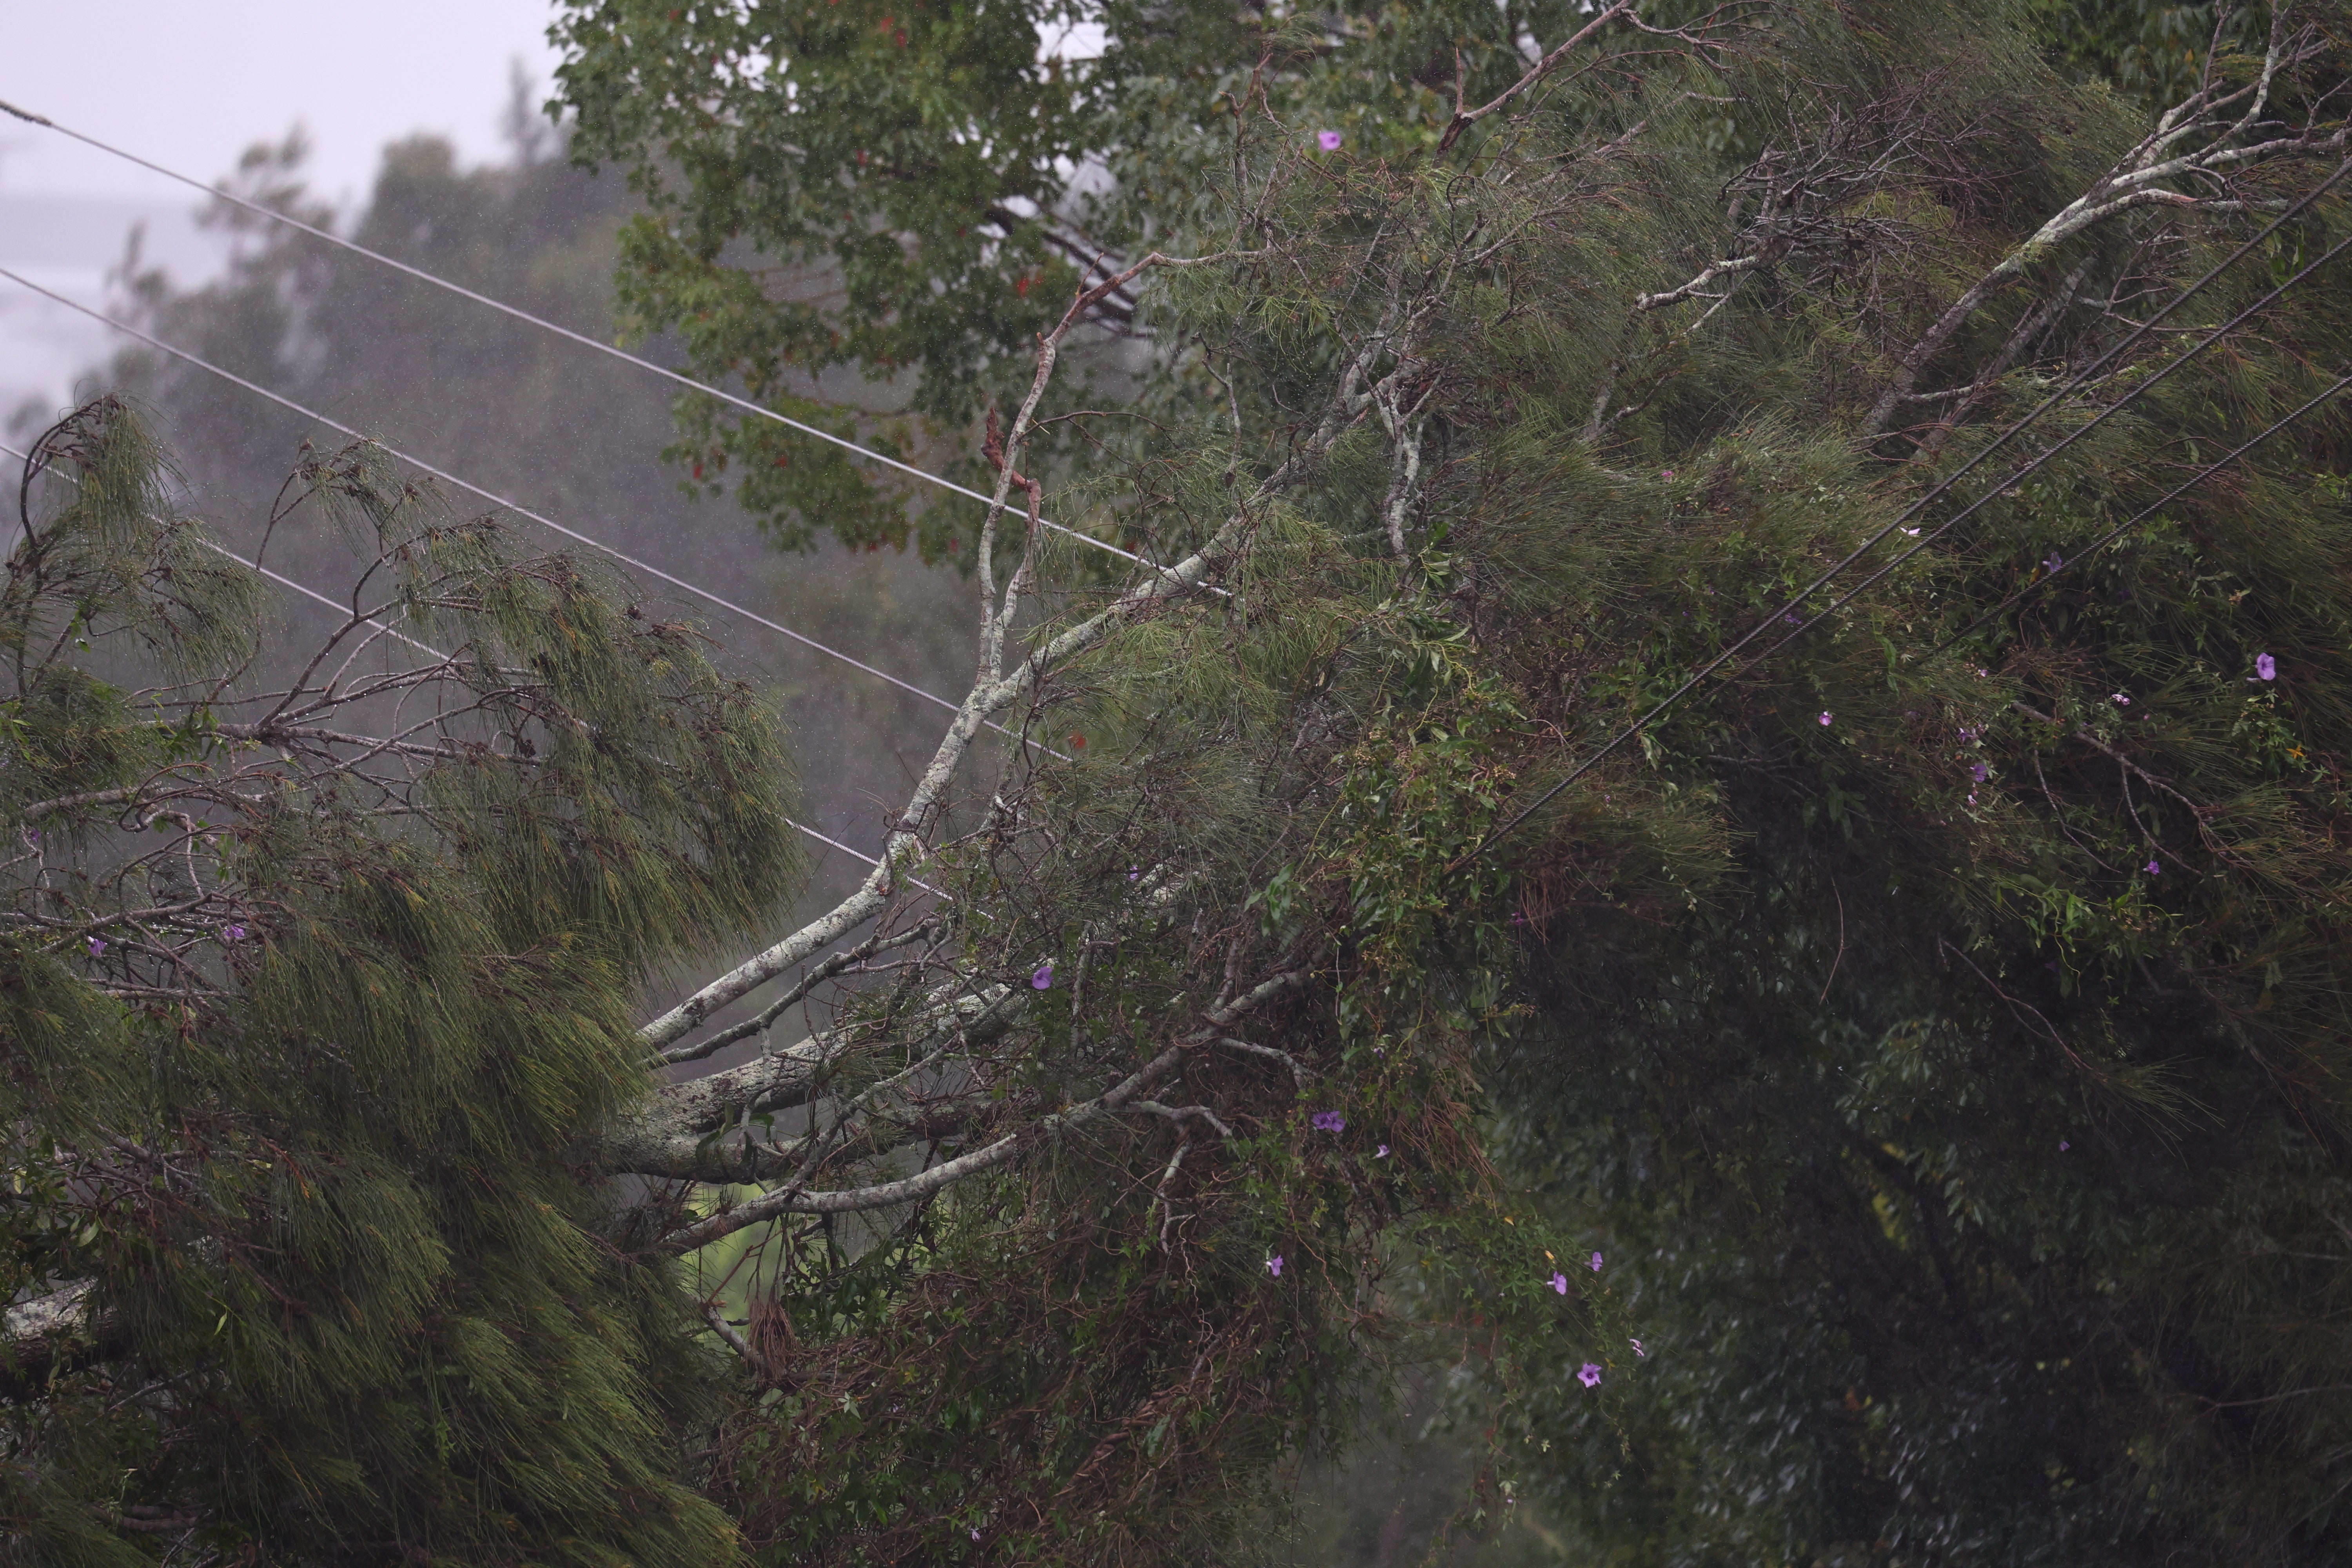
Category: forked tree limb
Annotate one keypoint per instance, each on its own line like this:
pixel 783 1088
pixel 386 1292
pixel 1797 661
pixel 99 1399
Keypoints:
pixel 1463 119
pixel 2134 182
pixel 795 1199
pixel 999 689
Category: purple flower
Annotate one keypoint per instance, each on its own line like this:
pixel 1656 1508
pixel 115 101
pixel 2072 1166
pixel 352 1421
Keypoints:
pixel 2266 667
pixel 1591 1376
pixel 1825 719
pixel 97 945
pixel 2052 562
pixel 2155 868
pixel 975 1534
pixel 1274 1266
pixel 1559 1284
pixel 1665 473
pixel 1383 1153
pixel 1981 772
pixel 1596 1263
pixel 2063 1145
pixel 1790 617
pixel 1967 735
pixel 2119 700
pixel 1637 1348
pixel 232 933
pixel 1328 1121
pixel 1327 140
pixel 1518 917
pixel 1132 873
pixel 1043 978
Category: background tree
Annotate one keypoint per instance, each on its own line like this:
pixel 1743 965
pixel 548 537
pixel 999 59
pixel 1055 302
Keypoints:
pixel 912 192
pixel 556 428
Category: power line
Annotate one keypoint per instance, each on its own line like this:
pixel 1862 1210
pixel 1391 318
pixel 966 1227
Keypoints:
pixel 2146 512
pixel 745 404
pixel 1798 600
pixel 495 500
pixel 2072 437
pixel 310 593
pixel 1934 493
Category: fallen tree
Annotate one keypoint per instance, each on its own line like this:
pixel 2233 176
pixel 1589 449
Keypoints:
pixel 1098 1140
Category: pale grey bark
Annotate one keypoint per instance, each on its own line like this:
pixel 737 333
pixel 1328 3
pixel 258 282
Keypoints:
pixel 703 1130
pixel 2233 143
pixel 794 1199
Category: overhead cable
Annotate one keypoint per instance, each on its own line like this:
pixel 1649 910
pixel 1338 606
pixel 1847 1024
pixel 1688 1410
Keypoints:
pixel 1809 622
pixel 2146 512
pixel 279 578
pixel 495 500
pixel 745 404
pixel 310 593
pixel 1797 601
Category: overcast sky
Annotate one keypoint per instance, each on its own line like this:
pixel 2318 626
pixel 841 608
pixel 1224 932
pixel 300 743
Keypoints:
pixel 192 83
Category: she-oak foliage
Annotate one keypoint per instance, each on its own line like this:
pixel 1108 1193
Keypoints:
pixel 1946 1050
pixel 1940 1055
pixel 303 1032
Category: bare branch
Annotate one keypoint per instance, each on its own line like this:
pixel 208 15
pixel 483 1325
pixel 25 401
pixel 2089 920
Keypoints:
pixel 2131 183
pixel 1465 118
pixel 938 1178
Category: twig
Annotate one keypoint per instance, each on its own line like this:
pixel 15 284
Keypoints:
pixel 725 1330
pixel 1840 952
pixel 1465 118
pixel 1302 1075
pixel 1159 1193
pixel 1178 1112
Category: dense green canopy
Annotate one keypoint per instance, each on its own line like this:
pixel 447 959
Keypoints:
pixel 1728 819
pixel 302 1048
pixel 1941 1038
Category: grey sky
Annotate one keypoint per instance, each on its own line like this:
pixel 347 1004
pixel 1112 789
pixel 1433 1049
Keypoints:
pixel 190 85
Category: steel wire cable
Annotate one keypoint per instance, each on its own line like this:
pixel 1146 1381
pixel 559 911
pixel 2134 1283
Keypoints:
pixel 615 352
pixel 277 578
pixel 1934 493
pixel 310 593
pixel 1990 496
pixel 2174 494
pixel 1798 600
pixel 494 498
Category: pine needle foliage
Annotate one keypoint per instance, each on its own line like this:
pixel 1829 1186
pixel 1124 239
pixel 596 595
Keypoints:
pixel 1783 1009
pixel 308 1029
pixel 1970 1139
